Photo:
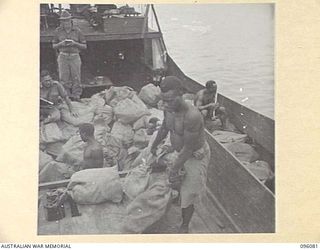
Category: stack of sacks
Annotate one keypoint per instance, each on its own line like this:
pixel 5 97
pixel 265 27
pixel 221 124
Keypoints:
pixel 141 138
pixel 50 133
pixel 122 124
pixel 260 169
pixel 94 186
pixel 85 113
pixel 150 95
pixel 136 181
pixel 72 151
pixel 244 152
pixel 149 206
pixel 44 159
pixel 56 171
pixel 124 132
pixel 228 136
pixel 128 111
pixel 114 95
pixel 121 120
pixel 67 129
pixel 52 137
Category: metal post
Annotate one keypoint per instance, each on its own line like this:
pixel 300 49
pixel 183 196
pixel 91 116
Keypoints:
pixel 145 21
pixel 155 15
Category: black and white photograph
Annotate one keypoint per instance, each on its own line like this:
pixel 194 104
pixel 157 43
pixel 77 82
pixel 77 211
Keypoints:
pixel 156 119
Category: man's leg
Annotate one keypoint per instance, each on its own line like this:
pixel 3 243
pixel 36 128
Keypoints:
pixel 64 72
pixel 222 116
pixel 210 114
pixel 193 186
pixel 75 67
pixel 186 217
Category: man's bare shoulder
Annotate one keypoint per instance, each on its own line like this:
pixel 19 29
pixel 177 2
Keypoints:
pixel 96 146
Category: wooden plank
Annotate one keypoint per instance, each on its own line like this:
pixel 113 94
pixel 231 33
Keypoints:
pixel 244 198
pixel 257 126
pixel 64 183
pixel 53 184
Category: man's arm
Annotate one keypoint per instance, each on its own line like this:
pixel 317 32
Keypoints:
pixel 55 42
pixel 162 133
pixel 63 94
pixel 82 44
pixel 192 126
pixel 199 101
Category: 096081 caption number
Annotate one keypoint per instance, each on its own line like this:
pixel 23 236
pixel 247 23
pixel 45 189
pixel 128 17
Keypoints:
pixel 308 245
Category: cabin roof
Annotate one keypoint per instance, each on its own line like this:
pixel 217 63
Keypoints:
pixel 91 34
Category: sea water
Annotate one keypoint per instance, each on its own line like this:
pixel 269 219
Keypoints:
pixel 232 44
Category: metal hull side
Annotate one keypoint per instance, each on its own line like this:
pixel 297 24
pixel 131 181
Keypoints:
pixel 259 127
pixel 248 204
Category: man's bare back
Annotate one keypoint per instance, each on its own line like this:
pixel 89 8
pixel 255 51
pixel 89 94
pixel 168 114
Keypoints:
pixel 93 156
pixel 93 153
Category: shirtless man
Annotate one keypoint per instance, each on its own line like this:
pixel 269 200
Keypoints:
pixel 186 127
pixel 93 153
pixel 54 92
pixel 205 101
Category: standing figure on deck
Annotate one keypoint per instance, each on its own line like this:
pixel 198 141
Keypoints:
pixel 205 101
pixel 186 127
pixel 69 40
pixel 93 152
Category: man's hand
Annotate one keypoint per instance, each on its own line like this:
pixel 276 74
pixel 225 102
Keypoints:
pixel 62 43
pixel 199 154
pixel 213 105
pixel 74 112
pixel 69 43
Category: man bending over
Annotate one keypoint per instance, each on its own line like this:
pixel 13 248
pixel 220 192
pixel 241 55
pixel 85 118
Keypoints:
pixel 186 127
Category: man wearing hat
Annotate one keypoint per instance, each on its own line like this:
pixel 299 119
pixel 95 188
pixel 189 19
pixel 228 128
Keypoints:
pixel 185 126
pixel 68 41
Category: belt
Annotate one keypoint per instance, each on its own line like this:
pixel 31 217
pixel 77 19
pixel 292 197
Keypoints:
pixel 69 54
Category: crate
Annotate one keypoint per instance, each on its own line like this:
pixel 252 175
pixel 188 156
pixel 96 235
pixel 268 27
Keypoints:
pixel 125 25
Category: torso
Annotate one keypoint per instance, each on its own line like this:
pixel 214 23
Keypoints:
pixel 74 35
pixel 175 123
pixel 93 156
pixel 51 94
pixel 205 97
